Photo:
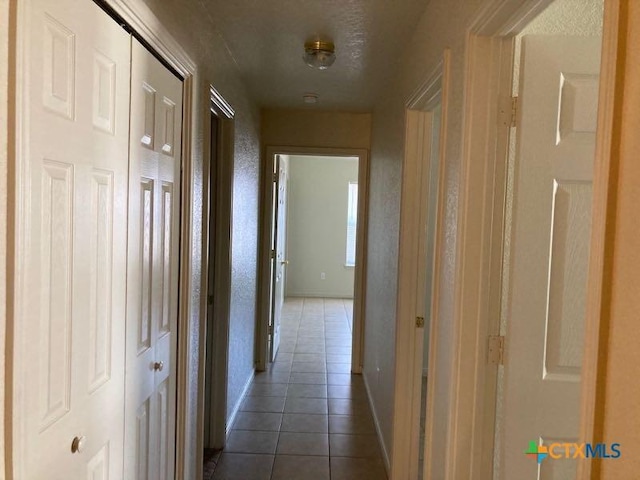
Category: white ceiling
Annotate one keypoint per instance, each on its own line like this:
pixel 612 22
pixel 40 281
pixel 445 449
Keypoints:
pixel 266 39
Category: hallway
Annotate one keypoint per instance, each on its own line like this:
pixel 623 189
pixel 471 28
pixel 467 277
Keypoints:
pixel 306 417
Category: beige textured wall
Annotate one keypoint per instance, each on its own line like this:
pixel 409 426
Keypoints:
pixel 619 409
pixel 308 128
pixel 443 25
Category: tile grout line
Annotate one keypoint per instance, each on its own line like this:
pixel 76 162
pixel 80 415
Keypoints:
pixel 306 323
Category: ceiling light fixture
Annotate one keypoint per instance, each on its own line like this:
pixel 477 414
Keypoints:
pixel 319 54
pixel 310 98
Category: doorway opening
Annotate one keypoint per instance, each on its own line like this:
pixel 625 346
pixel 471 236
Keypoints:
pixel 417 375
pixel 217 280
pixel 313 246
pixel 315 254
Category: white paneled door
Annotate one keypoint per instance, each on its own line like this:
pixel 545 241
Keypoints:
pixel 279 247
pixel 549 251
pixel 97 229
pixel 152 284
pixel 71 191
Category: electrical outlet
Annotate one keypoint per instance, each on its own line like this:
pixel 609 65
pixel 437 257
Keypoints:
pixel 323 276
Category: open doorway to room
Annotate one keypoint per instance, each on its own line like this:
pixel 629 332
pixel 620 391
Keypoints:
pixel 313 255
pixel 419 383
pixel 315 250
pixel 307 399
pixel 217 201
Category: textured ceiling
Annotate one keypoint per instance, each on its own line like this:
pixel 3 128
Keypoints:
pixel 266 39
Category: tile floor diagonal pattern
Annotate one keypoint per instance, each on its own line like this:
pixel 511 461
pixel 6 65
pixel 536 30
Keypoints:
pixel 306 417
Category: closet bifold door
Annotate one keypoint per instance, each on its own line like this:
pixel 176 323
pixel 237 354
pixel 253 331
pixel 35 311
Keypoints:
pixel 72 140
pixel 152 283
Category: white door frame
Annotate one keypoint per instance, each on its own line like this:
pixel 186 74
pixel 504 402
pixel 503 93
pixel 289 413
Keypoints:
pixel 141 19
pixel 6 15
pixel 605 172
pixel 220 196
pixel 264 256
pixel 481 220
pixel 411 283
pixel 487 122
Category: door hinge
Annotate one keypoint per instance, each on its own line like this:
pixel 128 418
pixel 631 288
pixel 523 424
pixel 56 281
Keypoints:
pixel 270 329
pixel 495 352
pixel 420 322
pixel 275 177
pixel 508 111
pixel 514 111
pixel 273 254
pixel 210 299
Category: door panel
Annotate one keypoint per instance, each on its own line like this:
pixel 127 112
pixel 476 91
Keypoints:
pixel 72 197
pixel 550 250
pixel 280 262
pixel 155 145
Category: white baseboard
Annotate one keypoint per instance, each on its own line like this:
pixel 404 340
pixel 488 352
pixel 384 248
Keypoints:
pixel 341 296
pixel 236 408
pixel 383 446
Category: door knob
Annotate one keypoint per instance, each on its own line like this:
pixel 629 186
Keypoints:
pixel 78 444
pixel 158 366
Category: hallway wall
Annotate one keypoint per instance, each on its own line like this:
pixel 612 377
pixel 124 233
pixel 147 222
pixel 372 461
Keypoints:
pixel 311 128
pixel 193 27
pixel 443 25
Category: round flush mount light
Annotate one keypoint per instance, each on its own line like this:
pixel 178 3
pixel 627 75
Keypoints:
pixel 310 98
pixel 319 54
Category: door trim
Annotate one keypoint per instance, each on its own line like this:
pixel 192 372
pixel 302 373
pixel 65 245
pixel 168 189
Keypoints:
pixel 602 230
pixel 7 117
pixel 477 299
pixel 264 255
pixel 189 433
pixel 223 204
pixel 409 338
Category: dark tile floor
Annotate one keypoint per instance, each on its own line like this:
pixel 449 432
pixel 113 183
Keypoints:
pixel 307 417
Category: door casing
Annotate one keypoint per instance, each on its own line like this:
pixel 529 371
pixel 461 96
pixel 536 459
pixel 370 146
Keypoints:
pixel 217 196
pixel 264 256
pixel 411 281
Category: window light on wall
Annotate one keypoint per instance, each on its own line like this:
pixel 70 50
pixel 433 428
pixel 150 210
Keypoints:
pixel 352 220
